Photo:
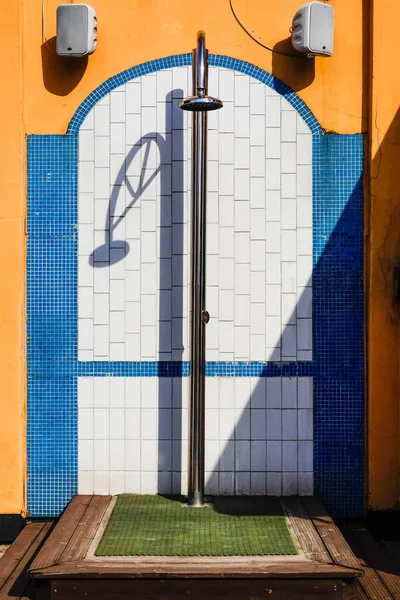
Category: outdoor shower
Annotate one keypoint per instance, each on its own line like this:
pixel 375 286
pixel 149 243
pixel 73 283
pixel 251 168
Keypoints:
pixel 199 104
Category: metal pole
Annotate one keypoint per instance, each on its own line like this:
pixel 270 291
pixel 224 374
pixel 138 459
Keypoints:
pixel 199 317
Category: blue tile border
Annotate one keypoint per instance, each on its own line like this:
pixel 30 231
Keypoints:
pixel 181 60
pixel 338 357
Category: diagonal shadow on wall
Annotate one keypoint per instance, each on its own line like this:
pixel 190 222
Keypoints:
pixel 338 405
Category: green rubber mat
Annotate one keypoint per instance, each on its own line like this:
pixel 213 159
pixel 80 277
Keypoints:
pixel 162 526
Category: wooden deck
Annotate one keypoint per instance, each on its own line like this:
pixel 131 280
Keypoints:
pixel 45 563
pixel 15 582
pixel 64 568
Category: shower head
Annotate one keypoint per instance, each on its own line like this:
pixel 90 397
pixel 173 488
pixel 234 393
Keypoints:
pixel 201 103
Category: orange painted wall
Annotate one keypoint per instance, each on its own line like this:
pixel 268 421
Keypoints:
pixel 134 31
pixel 384 259
pixel 12 261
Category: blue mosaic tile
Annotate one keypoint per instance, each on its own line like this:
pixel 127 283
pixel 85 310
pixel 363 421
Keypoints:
pixel 338 355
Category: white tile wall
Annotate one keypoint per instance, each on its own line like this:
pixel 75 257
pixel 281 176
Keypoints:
pixel 134 192
pixel 133 435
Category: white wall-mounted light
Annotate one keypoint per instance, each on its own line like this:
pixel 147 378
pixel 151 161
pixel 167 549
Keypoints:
pixel 312 29
pixel 76 30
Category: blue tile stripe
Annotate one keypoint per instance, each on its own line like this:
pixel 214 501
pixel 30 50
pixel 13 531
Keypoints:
pixel 338 362
pixel 52 328
pixel 215 60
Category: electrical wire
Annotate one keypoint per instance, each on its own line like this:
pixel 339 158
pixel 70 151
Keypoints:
pixel 258 41
pixel 44 36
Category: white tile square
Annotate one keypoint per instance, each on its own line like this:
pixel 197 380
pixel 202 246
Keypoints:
pixel 85 482
pixel 86 145
pixel 272 142
pixel 133 455
pixel 242 430
pixel 289 341
pixel 288 187
pixel 272 238
pixel 274 423
pixel 132 482
pixel 241 148
pixel 101 482
pixel 227 456
pixel 212 455
pixel 257 286
pixel 85 455
pixel 257 192
pixel 289 392
pixel 242 184
pixel 289 424
pixel 258 483
pixel 226 116
pixel 258 424
pixel 289 309
pixel 242 122
pixel 274 456
pixel 242 455
pixel 242 484
pixel 258 392
pixel 242 343
pixel 304 149
pixel 101 424
pixel 117 455
pixel 149 482
pixel 242 392
pixel 101 308
pixel 304 334
pixel 226 424
pixel 242 279
pixel 274 484
pixel 273 205
pixel 305 392
pixel 289 456
pixel 257 98
pixel 289 126
pixel 305 422
pixel 149 456
pixel 102 152
pixel 305 455
pixel 257 161
pixel 242 216
pixel 101 120
pixel 304 271
pixel 273 111
pixel 257 130
pixel 226 483
pixel 304 180
pixel 288 157
pixel 227 274
pixel 273 387
pixel 132 424
pixel 305 484
pixel 258 458
pixel 273 174
pixel 289 213
pixel 117 327
pixel 289 277
pixel 289 481
pixel 304 211
pixel 117 424
pixel 304 241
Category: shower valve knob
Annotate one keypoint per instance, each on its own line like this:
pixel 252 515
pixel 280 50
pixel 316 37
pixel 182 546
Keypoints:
pixel 206 317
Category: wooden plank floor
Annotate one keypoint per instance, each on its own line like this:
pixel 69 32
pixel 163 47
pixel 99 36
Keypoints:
pixel 15 582
pixel 63 568
pixel 55 558
pixel 381 580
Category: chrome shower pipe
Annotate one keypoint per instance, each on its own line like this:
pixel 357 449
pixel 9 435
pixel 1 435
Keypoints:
pixel 199 104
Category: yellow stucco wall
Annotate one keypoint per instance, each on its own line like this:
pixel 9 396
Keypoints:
pixel 384 259
pixel 12 261
pixel 43 92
